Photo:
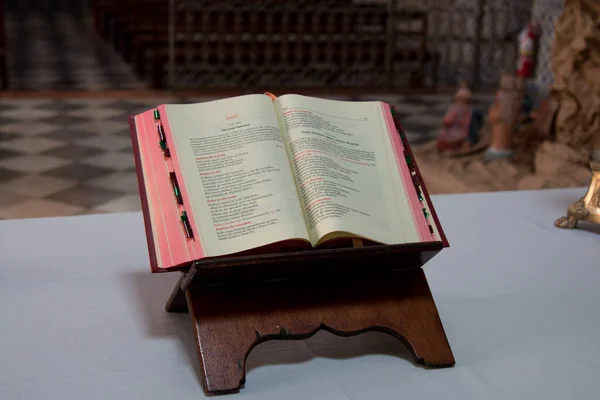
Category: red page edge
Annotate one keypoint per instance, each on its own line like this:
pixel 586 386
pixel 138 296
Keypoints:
pixel 196 244
pixel 143 196
pixel 407 148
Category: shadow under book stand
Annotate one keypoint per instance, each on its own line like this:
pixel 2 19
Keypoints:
pixel 237 303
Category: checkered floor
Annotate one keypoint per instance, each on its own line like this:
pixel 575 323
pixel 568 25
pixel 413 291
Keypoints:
pixel 74 156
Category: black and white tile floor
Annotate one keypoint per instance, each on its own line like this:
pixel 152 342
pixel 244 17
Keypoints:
pixel 73 156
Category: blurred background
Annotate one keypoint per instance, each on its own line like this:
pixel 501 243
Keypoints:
pixel 73 70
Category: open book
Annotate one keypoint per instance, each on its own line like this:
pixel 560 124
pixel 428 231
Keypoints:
pixel 256 174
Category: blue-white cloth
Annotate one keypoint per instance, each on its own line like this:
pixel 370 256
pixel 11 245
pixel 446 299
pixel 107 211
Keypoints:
pixel 82 317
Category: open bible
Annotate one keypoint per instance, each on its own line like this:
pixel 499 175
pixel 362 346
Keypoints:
pixel 256 174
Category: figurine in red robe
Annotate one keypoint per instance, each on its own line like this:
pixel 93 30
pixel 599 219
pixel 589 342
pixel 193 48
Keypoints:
pixel 527 50
pixel 456 122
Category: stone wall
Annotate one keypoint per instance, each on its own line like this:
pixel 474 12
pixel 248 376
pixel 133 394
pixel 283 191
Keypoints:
pixel 576 70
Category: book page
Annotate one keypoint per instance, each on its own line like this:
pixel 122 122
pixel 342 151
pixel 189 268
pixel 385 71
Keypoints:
pixel 237 173
pixel 345 170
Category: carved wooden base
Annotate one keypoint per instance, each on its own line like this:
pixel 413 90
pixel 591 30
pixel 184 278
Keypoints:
pixel 230 320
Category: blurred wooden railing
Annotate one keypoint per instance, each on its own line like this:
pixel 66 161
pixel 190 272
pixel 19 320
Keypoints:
pixel 268 43
pixel 3 63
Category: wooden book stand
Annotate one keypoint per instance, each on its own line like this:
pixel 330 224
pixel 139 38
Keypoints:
pixel 238 302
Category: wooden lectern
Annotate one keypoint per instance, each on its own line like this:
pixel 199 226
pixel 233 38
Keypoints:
pixel 236 303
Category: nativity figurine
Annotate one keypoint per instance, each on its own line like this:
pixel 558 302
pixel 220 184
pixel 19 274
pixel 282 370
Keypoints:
pixel 461 126
pixel 503 117
pixel 455 130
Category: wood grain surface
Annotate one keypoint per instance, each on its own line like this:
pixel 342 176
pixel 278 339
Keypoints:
pixel 230 320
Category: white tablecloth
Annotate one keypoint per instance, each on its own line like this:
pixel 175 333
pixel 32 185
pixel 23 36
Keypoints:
pixel 82 317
